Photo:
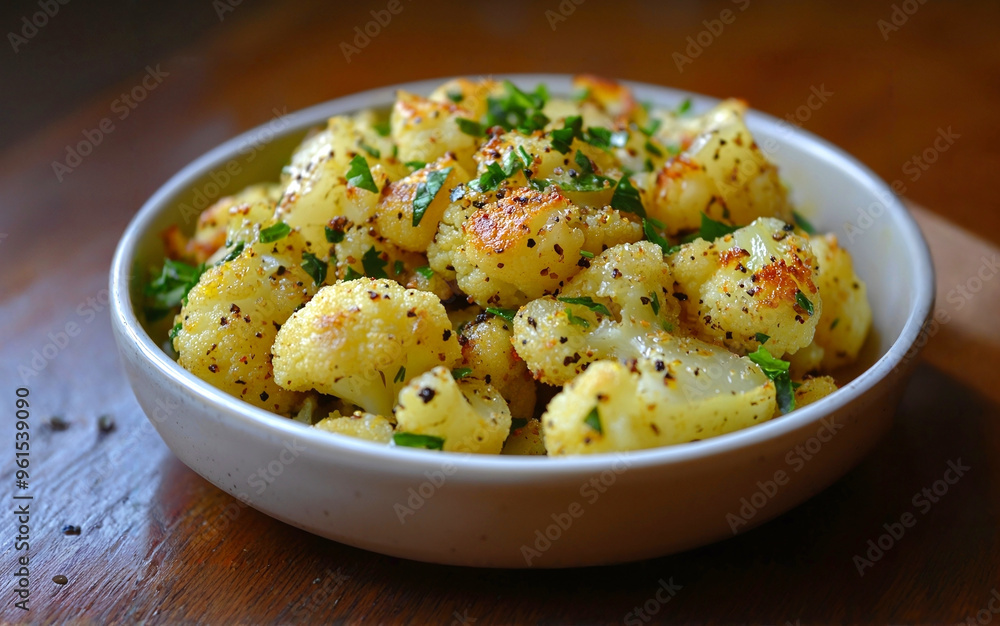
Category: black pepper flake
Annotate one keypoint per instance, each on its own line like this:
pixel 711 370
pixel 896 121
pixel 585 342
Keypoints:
pixel 680 296
pixel 531 243
pixel 264 396
pixel 105 423
pixel 57 422
pixel 213 368
pixel 70 529
pixel 446 335
pixel 426 394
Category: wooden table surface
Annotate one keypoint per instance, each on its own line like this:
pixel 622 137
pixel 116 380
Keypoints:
pixel 158 543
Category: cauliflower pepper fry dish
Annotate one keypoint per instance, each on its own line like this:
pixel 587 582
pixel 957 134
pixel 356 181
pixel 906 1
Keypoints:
pixel 500 271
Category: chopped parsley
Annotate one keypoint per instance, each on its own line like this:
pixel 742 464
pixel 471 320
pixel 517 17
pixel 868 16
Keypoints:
pixel 654 301
pixel 171 287
pixel 460 372
pixel 562 138
pixel 586 254
pixel 518 109
pixel 232 254
pixel 649 227
pixel 650 130
pixel 426 191
pixel 834 323
pixel 507 314
pixel 470 127
pixel 573 319
pixel 804 302
pixel 373 264
pixel 712 230
pixel 415 165
pixel 360 176
pixel 683 108
pixel 626 198
pixel 653 149
pixel 400 375
pixel 593 420
pixel 351 274
pixel 374 152
pixel 175 330
pixel 604 138
pixel 496 174
pixel 333 235
pixel 382 128
pixel 398 267
pixel 455 96
pixel 581 94
pixel 776 370
pixel 274 232
pixel 803 223
pixel 425 271
pixel 588 302
pixel 761 337
pixel 413 440
pixel 315 267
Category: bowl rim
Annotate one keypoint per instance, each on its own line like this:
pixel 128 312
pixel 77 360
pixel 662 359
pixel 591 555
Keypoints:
pixel 497 468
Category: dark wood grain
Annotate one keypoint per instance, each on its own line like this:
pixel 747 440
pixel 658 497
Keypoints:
pixel 160 544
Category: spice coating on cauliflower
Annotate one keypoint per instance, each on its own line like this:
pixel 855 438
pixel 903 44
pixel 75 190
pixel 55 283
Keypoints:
pixel 756 280
pixel 362 341
pixel 469 414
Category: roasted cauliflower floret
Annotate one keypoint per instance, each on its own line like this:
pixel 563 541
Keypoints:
pixel 360 425
pixel 362 341
pixel 722 173
pixel 409 210
pixel 222 221
pixel 525 440
pixel 624 294
pixel 681 389
pixel 812 389
pixel 509 251
pixel 471 95
pixel 847 315
pixel 757 280
pixel 469 414
pixel 425 130
pixel 231 318
pixel 487 351
pixel 319 185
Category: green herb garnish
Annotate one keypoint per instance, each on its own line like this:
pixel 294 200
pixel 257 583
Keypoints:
pixel 413 440
pixel 586 254
pixel 649 227
pixel 654 126
pixel 415 165
pixel 654 301
pixel 834 323
pixel 274 232
pixel 593 420
pixel 398 267
pixel 803 223
pixel 351 274
pixel 171 287
pixel 315 267
pixel 761 337
pixel 232 254
pixel 175 330
pixel 588 302
pixel 470 127
pixel 562 138
pixel 507 314
pixel 684 107
pixel 573 319
pixel 382 128
pixel 333 235
pixel 373 264
pixel 460 372
pixel 400 375
pixel 374 152
pixel 776 370
pixel 360 176
pixel 426 191
pixel 426 272
pixel 455 96
pixel 804 302
pixel 712 230
pixel 626 198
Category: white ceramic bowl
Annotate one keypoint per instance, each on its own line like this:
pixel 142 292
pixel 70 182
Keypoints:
pixel 540 512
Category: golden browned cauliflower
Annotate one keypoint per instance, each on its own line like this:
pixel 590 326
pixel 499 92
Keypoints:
pixel 681 389
pixel 362 340
pixel 488 353
pixel 231 318
pixel 469 415
pixel 360 425
pixel 755 281
pixel 624 294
